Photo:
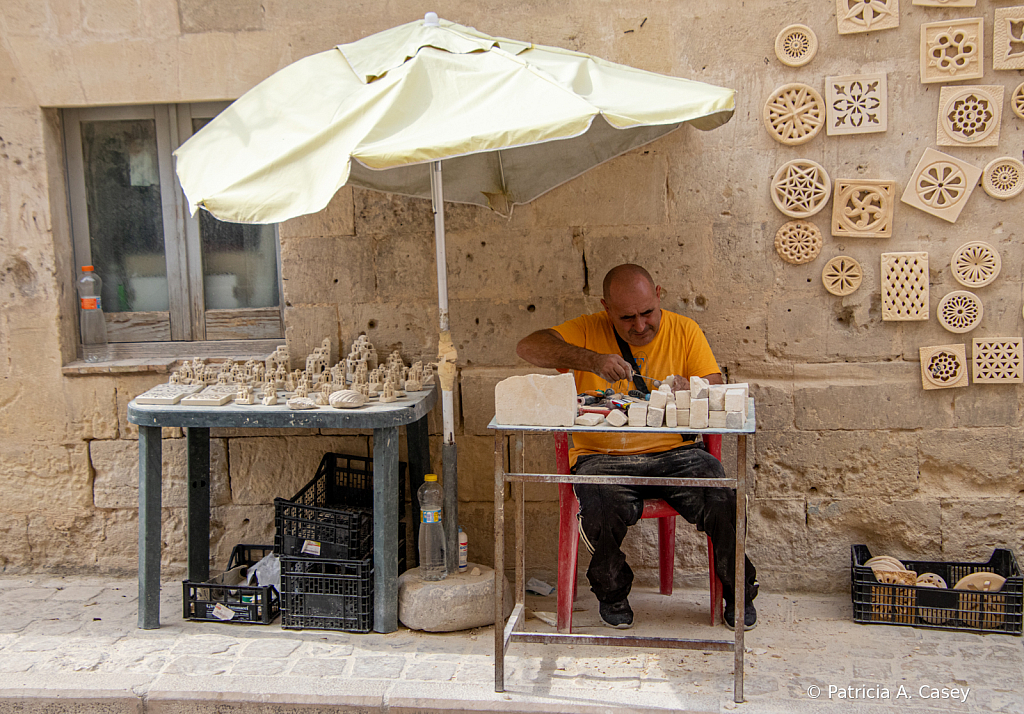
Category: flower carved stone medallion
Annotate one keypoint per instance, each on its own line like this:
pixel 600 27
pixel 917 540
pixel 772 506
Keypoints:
pixel 863 208
pixel 801 188
pixel 975 264
pixel 867 15
pixel 1008 38
pixel 1017 101
pixel 904 286
pixel 1003 178
pixel 794 114
pixel 960 311
pixel 941 185
pixel 944 367
pixel 796 45
pixel 998 360
pixel 842 275
pixel 952 51
pixel 856 104
pixel 969 116
pixel 798 242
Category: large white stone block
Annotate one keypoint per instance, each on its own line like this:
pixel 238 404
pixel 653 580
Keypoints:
pixel 536 400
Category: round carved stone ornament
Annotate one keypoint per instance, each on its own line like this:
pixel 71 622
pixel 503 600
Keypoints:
pixel 1003 178
pixel 842 275
pixel 944 368
pixel 796 45
pixel 960 311
pixel 975 264
pixel 798 242
pixel 801 188
pixel 1017 100
pixel 794 114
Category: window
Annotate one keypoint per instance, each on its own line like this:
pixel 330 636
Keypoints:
pixel 167 276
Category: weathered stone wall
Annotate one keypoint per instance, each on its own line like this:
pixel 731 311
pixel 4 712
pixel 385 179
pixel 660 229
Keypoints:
pixel 849 448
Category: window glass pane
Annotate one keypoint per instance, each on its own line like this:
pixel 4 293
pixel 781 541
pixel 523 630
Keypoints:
pixel 126 229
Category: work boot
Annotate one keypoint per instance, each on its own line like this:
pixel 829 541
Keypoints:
pixel 616 614
pixel 749 616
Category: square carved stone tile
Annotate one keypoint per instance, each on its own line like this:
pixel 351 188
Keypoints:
pixel 862 208
pixel 969 115
pixel 944 367
pixel 941 185
pixel 867 15
pixel 1008 38
pixel 904 286
pixel 946 3
pixel 952 50
pixel 856 104
pixel 998 360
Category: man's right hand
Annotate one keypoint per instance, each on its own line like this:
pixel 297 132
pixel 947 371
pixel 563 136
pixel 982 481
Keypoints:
pixel 611 368
pixel 546 348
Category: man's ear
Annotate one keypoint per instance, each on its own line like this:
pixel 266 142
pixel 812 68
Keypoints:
pixel 657 291
pixel 604 304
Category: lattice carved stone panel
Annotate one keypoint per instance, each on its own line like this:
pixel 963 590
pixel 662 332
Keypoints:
pixel 975 264
pixel 998 360
pixel 969 116
pixel 904 286
pixel 944 367
pixel 798 242
pixel 796 45
pixel 854 16
pixel 1003 178
pixel 941 185
pixel 1008 38
pixel 960 311
pixel 856 104
pixel 945 3
pixel 794 114
pixel 1017 101
pixel 801 188
pixel 863 208
pixel 842 275
pixel 952 50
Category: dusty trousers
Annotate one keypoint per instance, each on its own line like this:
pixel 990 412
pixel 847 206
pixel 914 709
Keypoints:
pixel 607 510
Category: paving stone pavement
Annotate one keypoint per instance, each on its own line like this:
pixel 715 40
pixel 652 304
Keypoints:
pixel 70 644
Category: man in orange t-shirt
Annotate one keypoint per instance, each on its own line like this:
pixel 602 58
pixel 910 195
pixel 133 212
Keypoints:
pixel 662 343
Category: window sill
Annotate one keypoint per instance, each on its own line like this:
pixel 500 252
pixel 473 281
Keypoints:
pixel 164 357
pixel 164 365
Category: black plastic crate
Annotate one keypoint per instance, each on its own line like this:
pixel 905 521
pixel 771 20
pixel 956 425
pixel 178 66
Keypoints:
pixel 251 604
pixel 320 594
pixel 940 608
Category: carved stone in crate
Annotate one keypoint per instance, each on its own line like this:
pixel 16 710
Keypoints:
pixel 794 114
pixel 856 104
pixel 867 15
pixel 1008 38
pixel 862 208
pixel 801 188
pixel 798 242
pixel 951 50
pixel 842 275
pixel 960 311
pixel 945 3
pixel 1003 178
pixel 1017 100
pixel 975 264
pixel 944 367
pixel 904 286
pixel 998 360
pixel 969 116
pixel 796 45
pixel 941 185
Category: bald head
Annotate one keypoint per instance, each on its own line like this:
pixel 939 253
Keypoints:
pixel 633 303
pixel 627 276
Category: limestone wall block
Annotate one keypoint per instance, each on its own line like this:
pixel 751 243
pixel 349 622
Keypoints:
pixel 968 463
pixel 233 524
pixel 126 71
pixel 477 519
pixel 476 469
pixel 16 93
pixel 797 322
pixel 244 59
pixel 306 327
pixel 32 474
pixel 334 221
pixel 232 16
pixel 91 408
pixel 411 328
pixel 379 214
pixel 404 267
pixel 778 542
pixel 15 545
pixel 973 527
pixel 127 387
pixel 985 405
pixel 477 392
pixel 486 332
pixel 327 270
pixel 48 70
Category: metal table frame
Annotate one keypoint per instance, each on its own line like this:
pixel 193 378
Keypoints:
pixel 384 419
pixel 504 636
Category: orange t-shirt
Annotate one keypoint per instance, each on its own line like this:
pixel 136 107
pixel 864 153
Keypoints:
pixel 679 348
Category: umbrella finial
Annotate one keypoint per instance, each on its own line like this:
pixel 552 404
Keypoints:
pixel 430 20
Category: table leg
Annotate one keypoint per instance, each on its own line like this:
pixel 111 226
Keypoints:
pixel 741 571
pixel 418 443
pixel 198 444
pixel 150 468
pixel 385 529
pixel 499 562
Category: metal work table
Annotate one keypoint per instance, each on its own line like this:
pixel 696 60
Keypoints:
pixel 503 637
pixel 384 419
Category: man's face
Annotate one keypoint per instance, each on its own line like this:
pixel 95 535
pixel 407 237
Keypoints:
pixel 635 311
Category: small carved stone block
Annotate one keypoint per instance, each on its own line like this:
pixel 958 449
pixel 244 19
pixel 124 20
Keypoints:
pixel 975 264
pixel 736 398
pixel 245 395
pixel 683 417
pixel 698 388
pixel 944 367
pixel 998 360
pixel 1008 38
pixel 801 188
pixel 589 419
pixel 734 420
pixel 952 50
pixel 941 185
pixel 671 415
pixel 960 311
pixel 167 393
pixel 867 15
pixel 842 275
pixel 270 398
pixel 683 399
pixel 215 395
pixel 798 242
pixel 856 104
pixel 638 415
pixel 655 416
pixel 796 45
pixel 716 397
pixel 794 114
pixel 658 399
pixel 862 208
pixel 301 403
pixel 699 414
pixel 717 420
pixel 904 286
pixel 1003 178
pixel 969 116
pixel 616 418
pixel 1017 101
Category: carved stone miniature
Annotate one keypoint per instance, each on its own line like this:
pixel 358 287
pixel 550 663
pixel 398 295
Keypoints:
pixel 347 399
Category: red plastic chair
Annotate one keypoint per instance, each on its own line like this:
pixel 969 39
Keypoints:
pixel 569 538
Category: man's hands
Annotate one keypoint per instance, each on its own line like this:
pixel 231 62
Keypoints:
pixel 546 348
pixel 611 368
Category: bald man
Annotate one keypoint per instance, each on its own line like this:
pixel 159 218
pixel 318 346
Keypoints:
pixel 662 343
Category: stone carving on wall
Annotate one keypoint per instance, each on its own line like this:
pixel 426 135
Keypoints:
pixel 941 185
pixel 798 242
pixel 975 264
pixel 1017 101
pixel 1008 38
pixel 856 104
pixel 969 116
pixel 796 45
pixel 801 188
pixel 794 114
pixel 960 311
pixel 998 360
pixel 1003 178
pixel 904 286
pixel 862 208
pixel 867 15
pixel 944 367
pixel 946 3
pixel 842 275
pixel 951 50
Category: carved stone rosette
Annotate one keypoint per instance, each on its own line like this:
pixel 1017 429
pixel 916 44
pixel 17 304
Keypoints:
pixel 842 275
pixel 944 367
pixel 904 286
pixel 798 242
pixel 794 114
pixel 975 264
pixel 998 360
pixel 960 311
pixel 801 188
pixel 969 116
pixel 856 104
pixel 1008 38
pixel 1003 178
pixel 952 50
pixel 854 16
pixel 796 45
pixel 941 185
pixel 1017 101
pixel 863 208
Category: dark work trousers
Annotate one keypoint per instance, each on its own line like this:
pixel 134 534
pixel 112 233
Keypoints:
pixel 607 510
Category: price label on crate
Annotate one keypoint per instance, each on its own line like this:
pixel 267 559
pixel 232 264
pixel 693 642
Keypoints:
pixel 221 612
pixel 311 547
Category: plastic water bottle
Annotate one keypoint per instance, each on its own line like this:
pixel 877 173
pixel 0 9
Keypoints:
pixel 463 551
pixel 431 545
pixel 94 327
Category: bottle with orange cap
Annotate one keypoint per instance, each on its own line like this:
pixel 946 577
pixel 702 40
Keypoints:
pixel 94 326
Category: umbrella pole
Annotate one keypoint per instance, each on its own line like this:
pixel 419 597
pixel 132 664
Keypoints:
pixel 449 453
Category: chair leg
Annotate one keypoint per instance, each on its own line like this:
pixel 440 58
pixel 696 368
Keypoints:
pixel 666 552
pixel 715 587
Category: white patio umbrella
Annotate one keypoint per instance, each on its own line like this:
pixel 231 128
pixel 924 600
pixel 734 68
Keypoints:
pixel 507 120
